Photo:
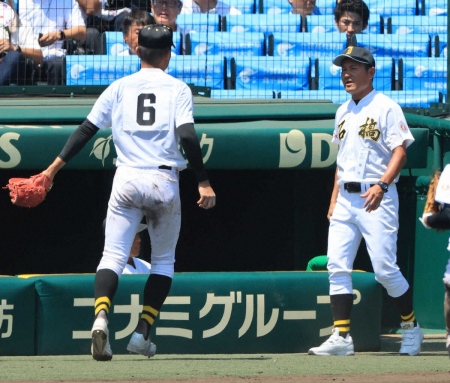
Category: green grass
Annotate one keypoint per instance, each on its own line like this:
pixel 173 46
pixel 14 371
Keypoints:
pixel 129 367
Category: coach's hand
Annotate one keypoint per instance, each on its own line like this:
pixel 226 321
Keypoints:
pixel 373 196
pixel 207 196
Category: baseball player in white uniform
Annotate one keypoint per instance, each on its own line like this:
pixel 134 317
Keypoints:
pixel 372 135
pixel 441 221
pixel 150 112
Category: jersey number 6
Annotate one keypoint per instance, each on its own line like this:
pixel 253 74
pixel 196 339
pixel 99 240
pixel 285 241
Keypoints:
pixel 145 113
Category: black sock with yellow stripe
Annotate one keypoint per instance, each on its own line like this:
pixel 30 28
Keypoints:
pixel 404 305
pixel 341 307
pixel 105 287
pixel 155 293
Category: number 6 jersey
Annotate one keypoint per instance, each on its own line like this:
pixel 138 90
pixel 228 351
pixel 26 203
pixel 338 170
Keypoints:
pixel 144 110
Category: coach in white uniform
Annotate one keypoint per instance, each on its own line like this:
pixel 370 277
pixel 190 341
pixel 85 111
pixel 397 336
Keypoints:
pixel 372 135
pixel 150 112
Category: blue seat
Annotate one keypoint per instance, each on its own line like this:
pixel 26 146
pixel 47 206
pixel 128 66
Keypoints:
pixel 274 7
pixel 328 75
pixel 423 73
pixel 325 7
pixel 436 7
pixel 439 45
pixel 113 43
pixel 396 46
pixel 334 95
pixel 198 22
pixel 99 69
pixel 418 24
pixel 201 71
pixel 262 23
pixel 242 93
pixel 414 98
pixel 326 23
pixel 226 44
pixel 312 45
pixel 388 8
pixel 245 6
pixel 270 73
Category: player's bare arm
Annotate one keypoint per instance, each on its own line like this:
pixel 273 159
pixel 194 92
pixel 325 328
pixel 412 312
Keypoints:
pixel 334 196
pixel 189 142
pixel 375 194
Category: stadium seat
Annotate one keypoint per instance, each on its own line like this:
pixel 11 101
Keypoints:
pixel 198 22
pixel 245 6
pixel 328 75
pixel 325 7
pixel 313 45
pixel 242 93
pixel 396 46
pixel 226 44
pixel 387 8
pixel 99 69
pixel 262 23
pixel 415 98
pixel 418 24
pixel 423 74
pixel 113 43
pixel 439 43
pixel 334 95
pixel 435 7
pixel 200 71
pixel 326 23
pixel 270 73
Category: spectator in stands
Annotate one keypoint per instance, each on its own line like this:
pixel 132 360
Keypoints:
pixel 166 12
pixel 351 16
pixel 304 7
pixel 209 6
pixel 131 25
pixel 56 22
pixel 17 45
pixel 91 9
pixel 107 16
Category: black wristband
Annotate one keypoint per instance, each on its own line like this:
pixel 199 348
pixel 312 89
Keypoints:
pixel 62 35
pixel 18 49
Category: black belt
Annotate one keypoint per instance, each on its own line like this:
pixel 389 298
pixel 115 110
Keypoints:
pixel 353 187
pixel 165 167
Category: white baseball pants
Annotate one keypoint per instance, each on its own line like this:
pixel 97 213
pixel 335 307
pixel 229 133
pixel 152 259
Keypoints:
pixel 348 225
pixel 135 193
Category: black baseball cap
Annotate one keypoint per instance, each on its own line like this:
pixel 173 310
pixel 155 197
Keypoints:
pixel 156 36
pixel 359 54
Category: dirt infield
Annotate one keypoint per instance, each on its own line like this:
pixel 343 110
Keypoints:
pixel 376 367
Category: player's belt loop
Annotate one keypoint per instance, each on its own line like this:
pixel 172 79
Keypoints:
pixel 165 167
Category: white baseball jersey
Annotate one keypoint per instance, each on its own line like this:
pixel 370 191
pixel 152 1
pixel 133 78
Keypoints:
pixel 141 267
pixel 367 133
pixel 144 115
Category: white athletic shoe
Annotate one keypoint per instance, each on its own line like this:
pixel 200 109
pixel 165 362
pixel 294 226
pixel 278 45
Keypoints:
pixel 447 344
pixel 334 345
pixel 100 348
pixel 141 346
pixel 412 338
